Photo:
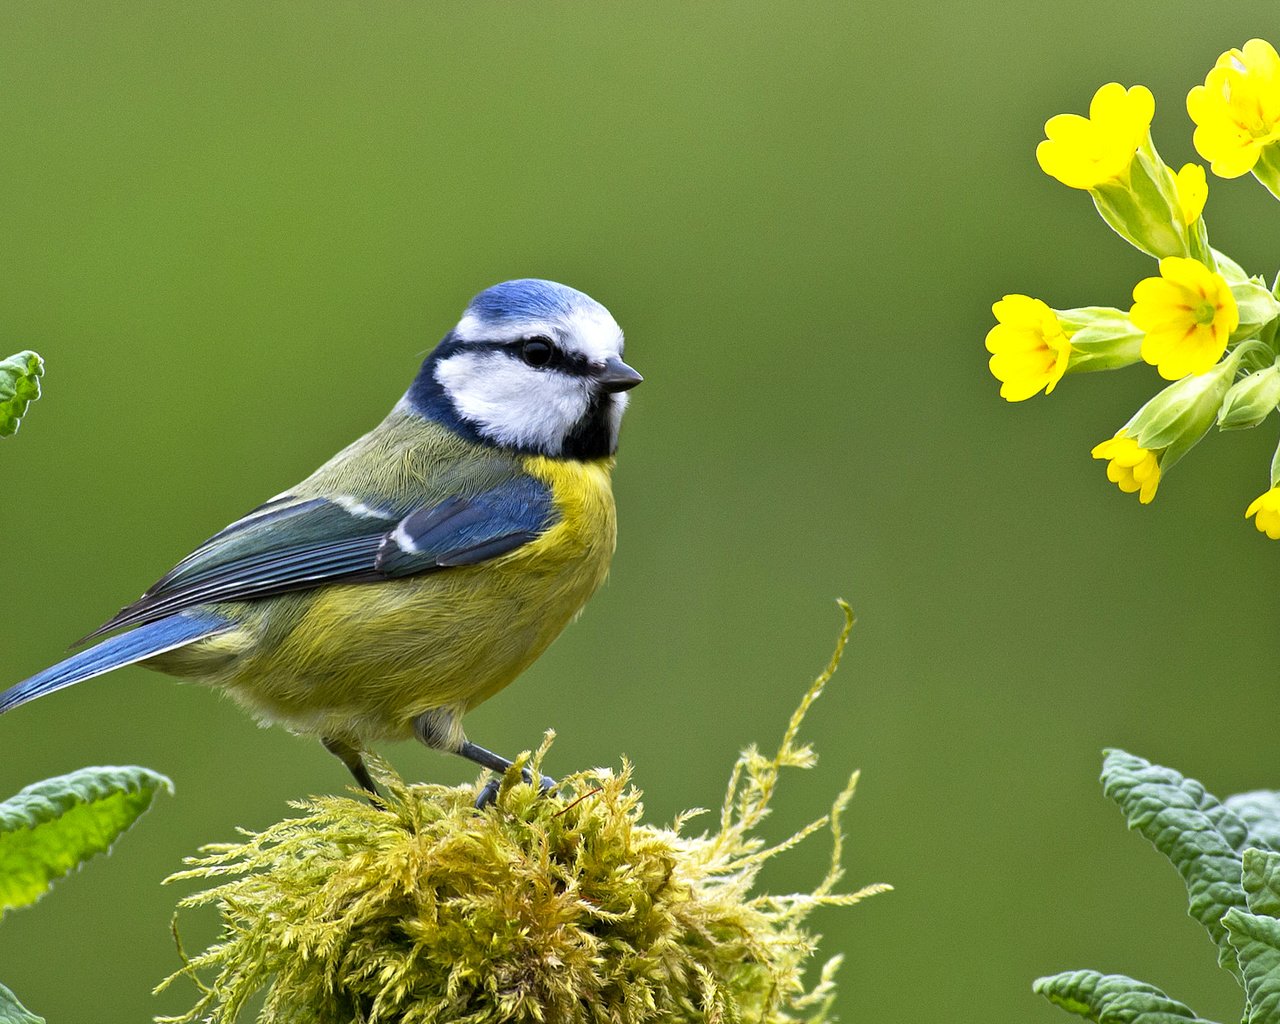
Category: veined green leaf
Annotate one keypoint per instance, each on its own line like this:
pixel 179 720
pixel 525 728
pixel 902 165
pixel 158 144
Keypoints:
pixel 1261 880
pixel 1201 837
pixel 13 1012
pixel 1257 944
pixel 1260 811
pixel 52 826
pixel 19 387
pixel 1113 999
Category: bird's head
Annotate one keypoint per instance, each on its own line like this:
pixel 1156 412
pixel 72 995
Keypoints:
pixel 533 366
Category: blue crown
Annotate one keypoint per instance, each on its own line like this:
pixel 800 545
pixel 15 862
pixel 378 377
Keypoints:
pixel 527 299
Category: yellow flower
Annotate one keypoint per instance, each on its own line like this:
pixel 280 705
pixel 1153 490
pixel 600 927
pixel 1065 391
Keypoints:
pixel 1029 347
pixel 1266 507
pixel 1237 110
pixel 1193 190
pixel 1085 152
pixel 1187 315
pixel 1130 466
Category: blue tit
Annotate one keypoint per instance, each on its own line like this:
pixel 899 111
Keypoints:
pixel 423 567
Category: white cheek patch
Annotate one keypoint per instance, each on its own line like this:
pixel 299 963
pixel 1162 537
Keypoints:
pixel 511 403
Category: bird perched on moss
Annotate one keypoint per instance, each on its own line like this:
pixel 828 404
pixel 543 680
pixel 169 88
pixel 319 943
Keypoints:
pixel 422 568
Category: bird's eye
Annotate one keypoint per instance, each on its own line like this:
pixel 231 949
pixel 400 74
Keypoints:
pixel 537 352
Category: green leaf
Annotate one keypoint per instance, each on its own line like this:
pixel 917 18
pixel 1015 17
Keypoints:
pixel 1260 811
pixel 1113 999
pixel 1261 881
pixel 13 1012
pixel 19 387
pixel 53 826
pixel 1257 944
pixel 1201 837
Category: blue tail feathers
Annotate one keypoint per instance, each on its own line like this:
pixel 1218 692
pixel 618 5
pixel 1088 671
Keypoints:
pixel 116 652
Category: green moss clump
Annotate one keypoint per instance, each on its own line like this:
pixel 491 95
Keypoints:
pixel 560 910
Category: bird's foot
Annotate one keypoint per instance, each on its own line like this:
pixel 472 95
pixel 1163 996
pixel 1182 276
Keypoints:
pixel 489 793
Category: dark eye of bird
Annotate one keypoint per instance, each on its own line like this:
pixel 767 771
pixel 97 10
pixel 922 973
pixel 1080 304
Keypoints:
pixel 537 352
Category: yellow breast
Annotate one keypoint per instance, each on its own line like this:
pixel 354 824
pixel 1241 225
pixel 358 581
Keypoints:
pixel 587 532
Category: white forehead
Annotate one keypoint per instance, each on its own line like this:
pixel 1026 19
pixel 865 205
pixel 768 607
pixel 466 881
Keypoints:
pixel 523 309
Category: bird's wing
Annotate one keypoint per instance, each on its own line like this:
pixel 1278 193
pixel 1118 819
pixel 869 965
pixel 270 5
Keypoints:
pixel 293 543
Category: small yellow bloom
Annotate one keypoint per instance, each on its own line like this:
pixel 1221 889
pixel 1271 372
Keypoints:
pixel 1266 508
pixel 1237 110
pixel 1085 152
pixel 1029 347
pixel 1193 190
pixel 1130 466
pixel 1187 314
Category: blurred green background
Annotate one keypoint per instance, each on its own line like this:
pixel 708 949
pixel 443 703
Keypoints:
pixel 233 230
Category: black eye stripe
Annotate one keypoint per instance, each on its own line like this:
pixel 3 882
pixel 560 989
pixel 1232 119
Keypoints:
pixel 565 362
pixel 573 363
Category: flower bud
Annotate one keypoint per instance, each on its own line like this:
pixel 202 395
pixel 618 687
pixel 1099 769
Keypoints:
pixel 1251 400
pixel 1180 415
pixel 1255 302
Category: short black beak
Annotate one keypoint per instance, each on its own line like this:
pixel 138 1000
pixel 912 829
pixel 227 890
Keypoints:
pixel 617 376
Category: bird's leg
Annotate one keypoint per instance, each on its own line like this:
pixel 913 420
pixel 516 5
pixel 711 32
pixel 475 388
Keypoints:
pixel 496 763
pixel 350 756
pixel 440 729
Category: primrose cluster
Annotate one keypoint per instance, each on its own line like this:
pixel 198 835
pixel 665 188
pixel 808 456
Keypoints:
pixel 1201 321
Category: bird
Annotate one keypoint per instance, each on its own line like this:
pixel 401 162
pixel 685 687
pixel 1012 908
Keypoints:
pixel 422 568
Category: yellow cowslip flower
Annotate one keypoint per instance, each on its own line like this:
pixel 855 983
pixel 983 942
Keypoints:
pixel 1193 190
pixel 1187 315
pixel 1085 152
pixel 1266 509
pixel 1130 466
pixel 1237 110
pixel 1029 347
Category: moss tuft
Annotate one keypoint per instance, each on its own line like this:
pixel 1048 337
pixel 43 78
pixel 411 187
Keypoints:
pixel 560 910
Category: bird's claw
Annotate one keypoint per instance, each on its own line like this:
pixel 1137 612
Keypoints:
pixel 489 793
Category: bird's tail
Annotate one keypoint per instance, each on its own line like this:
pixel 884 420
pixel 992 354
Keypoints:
pixel 136 645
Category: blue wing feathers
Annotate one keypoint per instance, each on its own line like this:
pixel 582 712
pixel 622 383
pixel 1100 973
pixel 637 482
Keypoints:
pixel 264 575
pixel 267 530
pixel 485 550
pixel 315 542
pixel 151 639
pixel 461 531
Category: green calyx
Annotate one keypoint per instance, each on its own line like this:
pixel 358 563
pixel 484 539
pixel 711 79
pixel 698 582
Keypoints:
pixel 1175 420
pixel 1102 338
pixel 1142 208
